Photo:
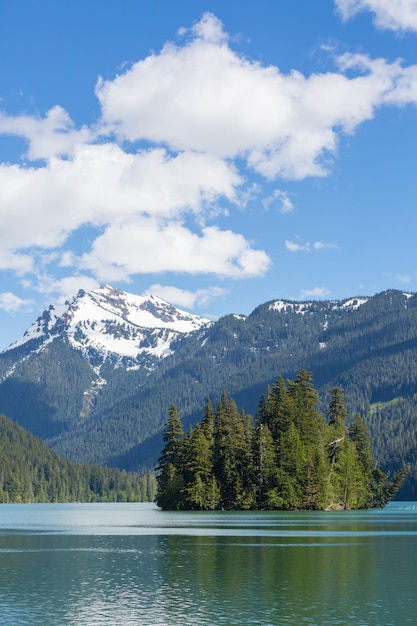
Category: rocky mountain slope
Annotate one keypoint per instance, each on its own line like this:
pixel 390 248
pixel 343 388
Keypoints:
pixel 110 325
pixel 95 378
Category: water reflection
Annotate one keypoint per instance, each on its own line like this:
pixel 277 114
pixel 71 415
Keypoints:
pixel 143 567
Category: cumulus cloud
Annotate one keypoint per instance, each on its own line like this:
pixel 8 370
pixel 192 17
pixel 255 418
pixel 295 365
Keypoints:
pixel 62 288
pixel 203 96
pixel 101 183
pixel 209 118
pixel 396 85
pixel 19 263
pixel 11 303
pixel 185 298
pixel 397 15
pixel 53 135
pixel 147 246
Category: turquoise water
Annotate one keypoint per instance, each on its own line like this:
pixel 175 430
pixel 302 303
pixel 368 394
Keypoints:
pixel 132 564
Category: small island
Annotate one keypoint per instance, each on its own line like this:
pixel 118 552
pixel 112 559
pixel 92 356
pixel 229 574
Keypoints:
pixel 290 457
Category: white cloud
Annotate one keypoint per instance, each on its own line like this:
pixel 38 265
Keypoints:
pixel 209 115
pixel 395 15
pixel 18 262
pixel 101 183
pixel 317 292
pixel 184 298
pixel 396 85
pixel 279 200
pixel 147 245
pixel 210 28
pixel 203 96
pixel 321 245
pixel 69 285
pixel 294 246
pixel 52 136
pixel 11 303
pixel 63 288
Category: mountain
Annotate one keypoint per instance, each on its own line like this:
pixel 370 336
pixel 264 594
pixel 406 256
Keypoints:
pixel 109 325
pixel 95 377
pixel 78 358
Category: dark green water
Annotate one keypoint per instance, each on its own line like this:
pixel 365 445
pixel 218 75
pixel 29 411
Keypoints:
pixel 132 564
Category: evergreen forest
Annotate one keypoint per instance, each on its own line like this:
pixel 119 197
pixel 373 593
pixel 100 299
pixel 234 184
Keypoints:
pixel 31 472
pixel 114 415
pixel 290 457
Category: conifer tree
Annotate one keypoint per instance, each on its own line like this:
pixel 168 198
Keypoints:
pixel 280 409
pixel 232 451
pixel 264 464
pixel 359 434
pixel 290 459
pixel 170 478
pixel 199 490
pixel 337 411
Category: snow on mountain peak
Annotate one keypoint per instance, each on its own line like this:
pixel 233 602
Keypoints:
pixel 301 308
pixel 113 323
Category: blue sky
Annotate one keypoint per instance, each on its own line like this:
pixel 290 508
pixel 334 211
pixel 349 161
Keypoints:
pixel 218 154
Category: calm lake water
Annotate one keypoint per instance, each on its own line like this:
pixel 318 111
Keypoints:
pixel 132 564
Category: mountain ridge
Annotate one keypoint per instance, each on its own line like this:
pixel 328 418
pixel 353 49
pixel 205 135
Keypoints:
pixel 111 321
pixel 104 407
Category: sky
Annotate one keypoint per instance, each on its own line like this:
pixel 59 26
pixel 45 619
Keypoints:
pixel 217 154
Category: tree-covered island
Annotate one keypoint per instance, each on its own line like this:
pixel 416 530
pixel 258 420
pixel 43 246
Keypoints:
pixel 289 457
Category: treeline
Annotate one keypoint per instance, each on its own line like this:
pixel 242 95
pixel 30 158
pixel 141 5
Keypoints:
pixel 31 472
pixel 370 352
pixel 289 457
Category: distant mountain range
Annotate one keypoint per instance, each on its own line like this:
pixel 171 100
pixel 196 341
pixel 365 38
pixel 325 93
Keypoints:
pixel 94 377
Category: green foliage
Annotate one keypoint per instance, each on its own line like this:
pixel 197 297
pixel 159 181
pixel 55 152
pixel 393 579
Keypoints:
pixel 288 458
pixel 31 472
pixel 370 351
pixel 171 462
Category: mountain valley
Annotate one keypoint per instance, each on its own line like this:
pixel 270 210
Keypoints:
pixel 94 377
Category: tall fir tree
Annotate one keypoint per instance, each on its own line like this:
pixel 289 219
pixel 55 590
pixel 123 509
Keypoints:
pixel 169 471
pixel 290 458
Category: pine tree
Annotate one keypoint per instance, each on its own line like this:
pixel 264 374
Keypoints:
pixel 290 459
pixel 310 425
pixel 264 464
pixel 232 454
pixel 280 409
pixel 337 411
pixel 199 491
pixel 359 434
pixel 291 473
pixel 170 479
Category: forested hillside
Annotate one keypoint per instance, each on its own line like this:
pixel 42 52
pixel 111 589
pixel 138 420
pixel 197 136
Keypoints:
pixel 30 472
pixel 103 413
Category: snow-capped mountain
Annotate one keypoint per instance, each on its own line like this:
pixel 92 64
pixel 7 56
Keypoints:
pixel 95 377
pixel 108 324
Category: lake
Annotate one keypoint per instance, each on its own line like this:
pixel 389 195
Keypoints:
pixel 132 564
